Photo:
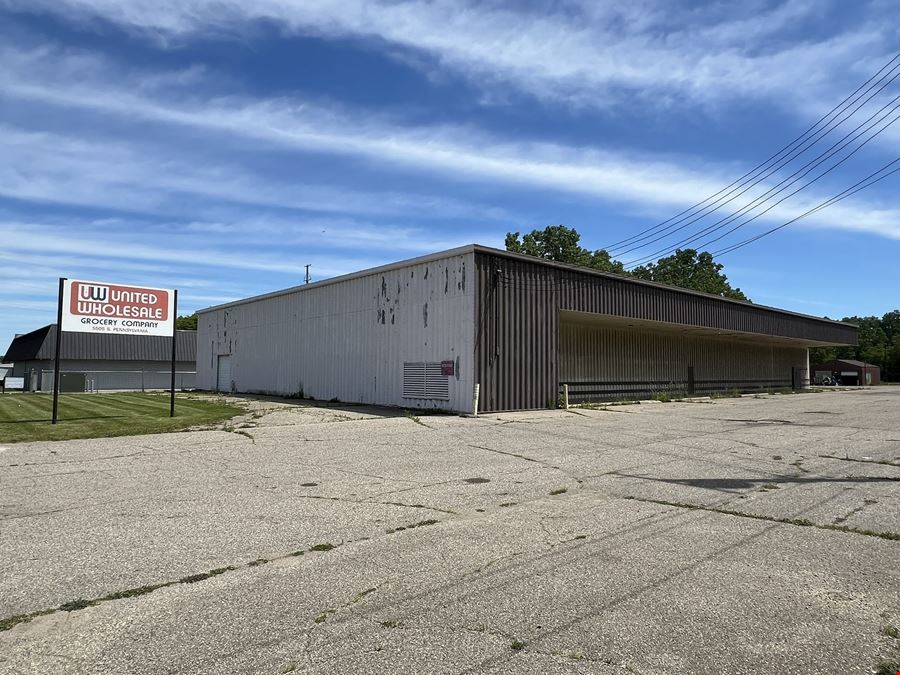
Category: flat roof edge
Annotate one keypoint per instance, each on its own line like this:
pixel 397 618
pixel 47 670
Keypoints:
pixel 487 250
pixel 440 255
pixel 616 321
pixel 642 282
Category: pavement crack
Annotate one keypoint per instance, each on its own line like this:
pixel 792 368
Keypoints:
pixel 82 603
pixel 526 458
pixel 801 522
pixel 75 461
pixel 373 501
pixel 882 462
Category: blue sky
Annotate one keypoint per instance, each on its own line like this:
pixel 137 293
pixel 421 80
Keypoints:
pixel 219 146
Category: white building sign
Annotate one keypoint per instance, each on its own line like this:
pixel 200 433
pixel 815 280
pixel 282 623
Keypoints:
pixel 97 307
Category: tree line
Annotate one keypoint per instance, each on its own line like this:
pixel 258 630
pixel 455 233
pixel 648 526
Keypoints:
pixel 186 322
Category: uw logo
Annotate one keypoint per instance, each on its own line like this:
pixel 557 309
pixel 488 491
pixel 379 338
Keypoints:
pixel 95 293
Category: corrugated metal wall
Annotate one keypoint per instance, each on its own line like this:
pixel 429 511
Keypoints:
pixel 349 339
pixel 616 362
pixel 517 322
pixel 516 335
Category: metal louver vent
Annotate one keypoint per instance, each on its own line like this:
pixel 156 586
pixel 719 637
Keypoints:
pixel 423 379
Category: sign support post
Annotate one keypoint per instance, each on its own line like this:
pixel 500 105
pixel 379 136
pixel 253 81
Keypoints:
pixel 113 309
pixel 174 343
pixel 59 312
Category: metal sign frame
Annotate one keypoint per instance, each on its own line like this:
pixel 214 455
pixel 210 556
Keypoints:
pixel 59 332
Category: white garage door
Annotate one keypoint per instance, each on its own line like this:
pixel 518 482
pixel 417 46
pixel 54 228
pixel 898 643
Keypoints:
pixel 223 373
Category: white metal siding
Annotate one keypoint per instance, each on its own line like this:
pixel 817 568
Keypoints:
pixel 349 340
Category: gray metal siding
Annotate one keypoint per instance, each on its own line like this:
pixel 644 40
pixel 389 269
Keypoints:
pixel 518 326
pixel 618 361
pixel 349 339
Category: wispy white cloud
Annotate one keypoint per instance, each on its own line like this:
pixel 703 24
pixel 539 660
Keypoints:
pixel 135 176
pixel 42 238
pixel 583 53
pixel 450 152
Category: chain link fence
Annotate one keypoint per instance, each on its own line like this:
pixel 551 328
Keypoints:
pixel 117 380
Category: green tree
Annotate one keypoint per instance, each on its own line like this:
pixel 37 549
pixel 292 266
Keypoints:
pixel 186 322
pixel 686 268
pixel 689 269
pixel 562 244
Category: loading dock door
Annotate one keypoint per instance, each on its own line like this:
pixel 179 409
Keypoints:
pixel 223 373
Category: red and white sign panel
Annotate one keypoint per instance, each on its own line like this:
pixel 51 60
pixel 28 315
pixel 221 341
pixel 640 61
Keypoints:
pixel 97 307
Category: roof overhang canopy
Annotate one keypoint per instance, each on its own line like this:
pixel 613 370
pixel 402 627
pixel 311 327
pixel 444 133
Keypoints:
pixel 622 322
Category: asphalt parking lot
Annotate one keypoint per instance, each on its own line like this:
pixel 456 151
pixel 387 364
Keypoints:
pixel 730 536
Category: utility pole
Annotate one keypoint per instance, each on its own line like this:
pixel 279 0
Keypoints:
pixel 307 274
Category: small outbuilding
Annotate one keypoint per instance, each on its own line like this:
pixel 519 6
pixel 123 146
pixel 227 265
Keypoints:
pixel 846 372
pixel 98 362
pixel 428 332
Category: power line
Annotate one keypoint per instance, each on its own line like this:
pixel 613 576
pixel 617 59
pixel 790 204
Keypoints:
pixel 784 184
pixel 724 222
pixel 853 189
pixel 843 105
pixel 663 234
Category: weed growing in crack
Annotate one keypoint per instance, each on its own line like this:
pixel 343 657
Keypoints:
pixel 359 596
pixel 132 592
pixel 194 578
pixel 81 603
pixel 559 491
pixel 421 523
pixel 9 622
pixel 323 616
pixel 891 631
pixel 889 666
pixel 518 645
pixel 390 623
pixel 413 418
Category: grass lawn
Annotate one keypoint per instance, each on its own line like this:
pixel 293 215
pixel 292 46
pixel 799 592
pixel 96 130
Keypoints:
pixel 26 417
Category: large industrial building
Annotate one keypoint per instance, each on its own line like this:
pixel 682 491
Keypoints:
pixel 423 332
pixel 102 362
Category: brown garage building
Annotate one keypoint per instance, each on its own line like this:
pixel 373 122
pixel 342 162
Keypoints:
pixel 846 372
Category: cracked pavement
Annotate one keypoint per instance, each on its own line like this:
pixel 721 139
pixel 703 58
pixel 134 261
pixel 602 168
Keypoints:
pixel 648 538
